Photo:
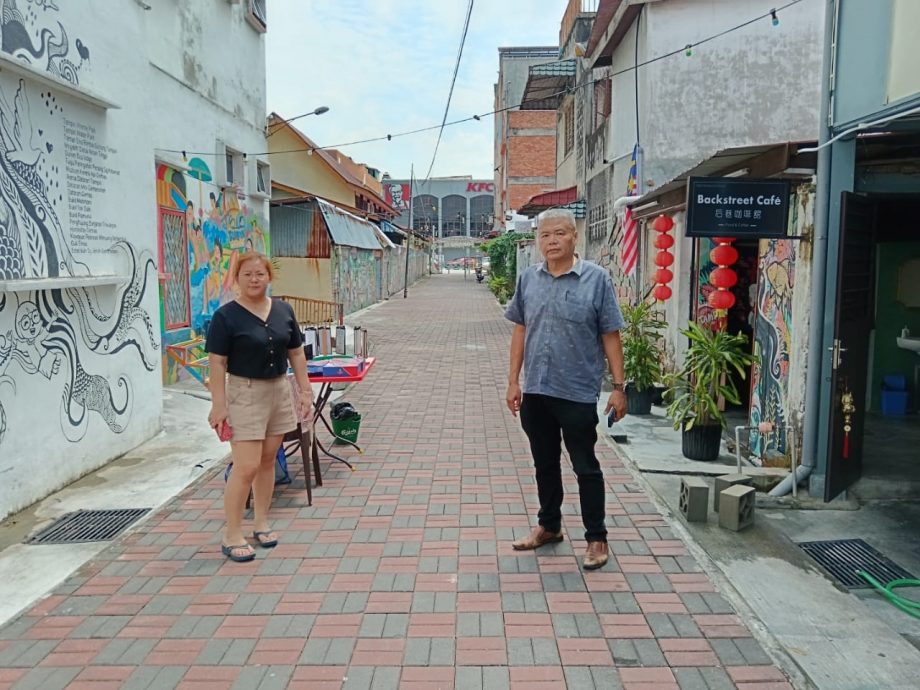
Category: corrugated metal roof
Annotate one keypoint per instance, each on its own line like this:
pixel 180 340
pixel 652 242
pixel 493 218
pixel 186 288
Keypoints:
pixel 291 226
pixel 347 229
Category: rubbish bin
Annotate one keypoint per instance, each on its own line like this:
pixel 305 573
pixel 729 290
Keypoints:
pixel 894 396
pixel 346 421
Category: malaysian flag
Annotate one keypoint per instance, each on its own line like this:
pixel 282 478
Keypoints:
pixel 629 251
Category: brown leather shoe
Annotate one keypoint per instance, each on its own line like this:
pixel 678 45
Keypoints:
pixel 596 555
pixel 538 537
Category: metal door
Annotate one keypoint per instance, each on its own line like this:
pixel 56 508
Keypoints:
pixel 853 322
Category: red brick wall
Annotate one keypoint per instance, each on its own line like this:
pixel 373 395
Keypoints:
pixel 532 156
pixel 532 119
pixel 518 194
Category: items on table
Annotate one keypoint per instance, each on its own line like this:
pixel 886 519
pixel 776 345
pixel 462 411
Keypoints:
pixel 321 341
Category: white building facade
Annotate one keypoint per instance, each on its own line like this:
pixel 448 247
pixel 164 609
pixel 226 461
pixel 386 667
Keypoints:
pixel 98 102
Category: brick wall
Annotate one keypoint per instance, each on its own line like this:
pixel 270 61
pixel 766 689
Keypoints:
pixel 532 119
pixel 532 156
pixel 518 194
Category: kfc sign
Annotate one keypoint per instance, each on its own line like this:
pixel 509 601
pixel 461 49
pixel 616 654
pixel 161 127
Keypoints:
pixel 480 187
pixel 397 196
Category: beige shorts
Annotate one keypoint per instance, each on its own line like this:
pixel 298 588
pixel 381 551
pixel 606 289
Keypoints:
pixel 259 408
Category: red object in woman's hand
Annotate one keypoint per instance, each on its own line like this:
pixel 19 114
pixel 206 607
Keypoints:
pixel 224 431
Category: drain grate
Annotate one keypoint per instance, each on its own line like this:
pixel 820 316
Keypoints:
pixel 843 558
pixel 87 525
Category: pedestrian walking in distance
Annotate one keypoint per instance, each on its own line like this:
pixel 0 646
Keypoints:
pixel 567 320
pixel 250 342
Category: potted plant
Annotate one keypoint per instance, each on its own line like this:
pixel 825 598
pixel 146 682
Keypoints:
pixel 695 393
pixel 641 355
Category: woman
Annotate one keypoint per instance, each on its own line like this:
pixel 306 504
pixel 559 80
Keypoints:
pixel 250 342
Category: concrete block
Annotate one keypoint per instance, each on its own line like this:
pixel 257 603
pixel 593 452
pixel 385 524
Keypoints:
pixel 694 499
pixel 727 480
pixel 736 507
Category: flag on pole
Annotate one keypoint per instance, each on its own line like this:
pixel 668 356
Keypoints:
pixel 629 251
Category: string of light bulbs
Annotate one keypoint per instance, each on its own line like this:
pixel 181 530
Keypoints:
pixel 687 50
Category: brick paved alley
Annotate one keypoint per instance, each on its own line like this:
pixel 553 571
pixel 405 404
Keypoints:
pixel 401 574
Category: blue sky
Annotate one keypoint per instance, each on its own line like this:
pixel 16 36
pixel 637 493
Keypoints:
pixel 384 66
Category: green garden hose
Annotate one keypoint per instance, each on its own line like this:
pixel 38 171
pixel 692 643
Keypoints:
pixel 909 606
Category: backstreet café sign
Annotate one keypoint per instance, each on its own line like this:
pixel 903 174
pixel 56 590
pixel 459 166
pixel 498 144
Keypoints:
pixel 733 207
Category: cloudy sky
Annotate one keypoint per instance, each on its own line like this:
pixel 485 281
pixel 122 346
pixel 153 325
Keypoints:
pixel 384 66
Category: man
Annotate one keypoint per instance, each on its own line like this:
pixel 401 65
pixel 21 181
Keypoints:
pixel 567 320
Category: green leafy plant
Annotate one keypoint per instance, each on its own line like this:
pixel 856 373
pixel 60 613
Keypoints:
pixel 642 345
pixel 501 287
pixel 502 253
pixel 694 393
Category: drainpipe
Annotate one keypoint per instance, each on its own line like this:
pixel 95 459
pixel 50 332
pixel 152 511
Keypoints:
pixel 819 265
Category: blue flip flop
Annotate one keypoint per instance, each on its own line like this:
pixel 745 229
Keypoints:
pixel 266 543
pixel 228 552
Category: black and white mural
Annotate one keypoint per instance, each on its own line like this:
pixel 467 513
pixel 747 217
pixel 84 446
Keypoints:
pixel 80 345
pixel 31 32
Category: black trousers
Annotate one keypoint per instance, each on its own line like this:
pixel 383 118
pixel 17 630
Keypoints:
pixel 548 421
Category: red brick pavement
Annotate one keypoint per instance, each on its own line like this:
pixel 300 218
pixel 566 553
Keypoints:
pixel 401 574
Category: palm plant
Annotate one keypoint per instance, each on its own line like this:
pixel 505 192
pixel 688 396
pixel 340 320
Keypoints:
pixel 641 345
pixel 695 393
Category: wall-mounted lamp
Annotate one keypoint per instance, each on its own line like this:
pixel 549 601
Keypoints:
pixel 742 172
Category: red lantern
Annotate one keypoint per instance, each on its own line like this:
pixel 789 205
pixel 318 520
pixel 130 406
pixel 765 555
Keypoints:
pixel 663 276
pixel 721 300
pixel 664 241
pixel 724 255
pixel 662 293
pixel 664 258
pixel 723 278
pixel 662 224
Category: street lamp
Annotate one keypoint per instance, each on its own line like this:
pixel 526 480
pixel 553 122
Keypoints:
pixel 316 111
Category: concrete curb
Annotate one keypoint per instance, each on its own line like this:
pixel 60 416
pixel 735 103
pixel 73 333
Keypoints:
pixel 796 674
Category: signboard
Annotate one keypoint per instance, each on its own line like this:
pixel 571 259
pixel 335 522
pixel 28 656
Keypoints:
pixel 737 207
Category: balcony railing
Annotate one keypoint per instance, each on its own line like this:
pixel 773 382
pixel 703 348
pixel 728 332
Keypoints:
pixel 315 311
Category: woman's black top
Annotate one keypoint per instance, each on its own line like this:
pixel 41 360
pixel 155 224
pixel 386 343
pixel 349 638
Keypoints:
pixel 254 348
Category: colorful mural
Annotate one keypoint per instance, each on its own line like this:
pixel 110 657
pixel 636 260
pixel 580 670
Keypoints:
pixel 356 277
pixel 218 228
pixel 705 315
pixel 773 335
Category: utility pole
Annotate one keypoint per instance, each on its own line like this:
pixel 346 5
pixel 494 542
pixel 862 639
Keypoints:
pixel 409 235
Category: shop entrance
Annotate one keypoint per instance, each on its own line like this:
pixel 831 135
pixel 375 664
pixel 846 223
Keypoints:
pixel 875 416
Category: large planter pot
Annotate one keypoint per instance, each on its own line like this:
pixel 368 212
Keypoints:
pixel 658 394
pixel 639 402
pixel 702 442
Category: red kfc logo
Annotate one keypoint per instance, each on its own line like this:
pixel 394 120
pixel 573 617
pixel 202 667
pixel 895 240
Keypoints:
pixel 480 187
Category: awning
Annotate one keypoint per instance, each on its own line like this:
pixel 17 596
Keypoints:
pixel 557 198
pixel 547 83
pixel 767 160
pixel 347 229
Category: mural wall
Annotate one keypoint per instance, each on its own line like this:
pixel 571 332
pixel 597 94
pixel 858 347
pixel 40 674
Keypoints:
pixel 202 229
pixel 357 276
pixel 395 267
pixel 78 340
pixel 773 336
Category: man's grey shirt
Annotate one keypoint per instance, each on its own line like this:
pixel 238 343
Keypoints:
pixel 564 319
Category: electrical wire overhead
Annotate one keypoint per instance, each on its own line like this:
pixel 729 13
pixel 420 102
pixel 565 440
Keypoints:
pixel 683 50
pixel 450 93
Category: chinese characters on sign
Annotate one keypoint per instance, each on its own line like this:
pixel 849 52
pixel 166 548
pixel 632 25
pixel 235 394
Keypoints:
pixel 718 206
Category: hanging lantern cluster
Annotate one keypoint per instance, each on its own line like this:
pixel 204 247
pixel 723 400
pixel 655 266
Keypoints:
pixel 723 278
pixel 664 259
